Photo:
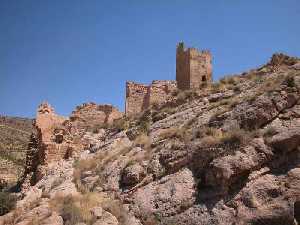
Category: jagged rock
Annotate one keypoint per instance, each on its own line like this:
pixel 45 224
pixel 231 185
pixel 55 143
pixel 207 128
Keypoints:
pixel 224 171
pixel 90 181
pixel 168 196
pixel 219 96
pixel 54 219
pixel 107 219
pixel 132 175
pixel 97 212
pixel 288 139
pixel 262 202
pixel 233 161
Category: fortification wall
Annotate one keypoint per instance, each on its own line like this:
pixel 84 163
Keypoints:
pixel 140 97
pixel 182 67
pixel 193 67
pixel 89 115
pixel 137 98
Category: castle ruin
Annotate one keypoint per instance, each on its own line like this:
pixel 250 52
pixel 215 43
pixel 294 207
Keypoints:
pixel 193 67
pixel 193 71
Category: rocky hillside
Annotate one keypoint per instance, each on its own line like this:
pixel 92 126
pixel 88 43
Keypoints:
pixel 14 138
pixel 228 154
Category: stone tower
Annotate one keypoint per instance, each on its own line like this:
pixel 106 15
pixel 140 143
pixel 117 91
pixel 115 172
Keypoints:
pixel 193 67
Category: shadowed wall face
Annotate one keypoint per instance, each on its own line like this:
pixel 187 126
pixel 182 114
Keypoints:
pixel 193 67
pixel 140 97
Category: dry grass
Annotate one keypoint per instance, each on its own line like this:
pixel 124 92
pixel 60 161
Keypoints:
pixel 143 141
pixel 120 124
pixel 233 138
pixel 174 132
pixel 76 209
pixel 186 95
pixel 7 202
pixel 116 208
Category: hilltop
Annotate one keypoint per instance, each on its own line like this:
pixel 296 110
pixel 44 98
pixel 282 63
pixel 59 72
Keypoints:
pixel 14 137
pixel 222 153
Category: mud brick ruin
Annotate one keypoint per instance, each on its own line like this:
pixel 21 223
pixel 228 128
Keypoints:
pixel 193 70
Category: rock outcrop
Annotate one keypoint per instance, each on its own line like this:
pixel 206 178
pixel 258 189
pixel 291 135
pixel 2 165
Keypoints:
pixel 228 154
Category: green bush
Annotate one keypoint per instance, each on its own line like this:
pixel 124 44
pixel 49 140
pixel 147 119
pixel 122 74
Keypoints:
pixel 7 202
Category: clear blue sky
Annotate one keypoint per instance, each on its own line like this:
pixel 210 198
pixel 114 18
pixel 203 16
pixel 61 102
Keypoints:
pixel 73 51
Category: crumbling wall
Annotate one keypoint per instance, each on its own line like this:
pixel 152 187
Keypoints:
pixel 160 91
pixel 60 137
pixel 182 67
pixel 140 97
pixel 52 138
pixel 193 67
pixel 90 114
pixel 137 98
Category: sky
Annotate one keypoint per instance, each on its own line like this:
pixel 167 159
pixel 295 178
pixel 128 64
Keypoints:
pixel 68 52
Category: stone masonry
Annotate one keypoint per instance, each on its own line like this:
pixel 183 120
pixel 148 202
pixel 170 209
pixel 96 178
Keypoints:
pixel 193 70
pixel 193 67
pixel 140 96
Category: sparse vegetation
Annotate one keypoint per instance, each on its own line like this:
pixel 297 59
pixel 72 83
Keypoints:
pixel 212 137
pixel 143 141
pixel 173 132
pixel 183 96
pixel 120 124
pixel 76 209
pixel 7 202
pixel 290 81
pixel 144 121
pixel 270 131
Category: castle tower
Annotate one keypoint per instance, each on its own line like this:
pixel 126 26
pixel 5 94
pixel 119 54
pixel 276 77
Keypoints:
pixel 193 67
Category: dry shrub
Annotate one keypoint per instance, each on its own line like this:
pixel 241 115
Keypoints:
pixel 143 141
pixel 229 80
pixel 269 132
pixel 143 123
pixel 120 124
pixel 183 96
pixel 210 141
pixel 235 137
pixel 116 208
pixel 76 209
pixel 7 202
pixel 80 167
pixel 217 87
pixel 173 132
pixel 290 81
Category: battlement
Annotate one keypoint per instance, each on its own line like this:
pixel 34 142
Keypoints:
pixel 193 70
pixel 193 67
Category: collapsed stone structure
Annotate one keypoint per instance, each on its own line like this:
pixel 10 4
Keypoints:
pixel 139 96
pixel 60 137
pixel 193 70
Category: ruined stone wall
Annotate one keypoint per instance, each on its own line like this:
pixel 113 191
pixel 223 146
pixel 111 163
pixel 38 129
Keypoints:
pixel 60 137
pixel 90 114
pixel 200 68
pixel 51 135
pixel 193 67
pixel 137 98
pixel 160 90
pixel 140 97
pixel 57 135
pixel 182 67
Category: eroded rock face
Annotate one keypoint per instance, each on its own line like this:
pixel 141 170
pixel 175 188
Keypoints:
pixel 90 114
pixel 229 158
pixel 60 138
